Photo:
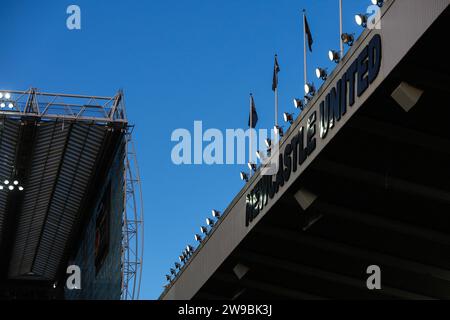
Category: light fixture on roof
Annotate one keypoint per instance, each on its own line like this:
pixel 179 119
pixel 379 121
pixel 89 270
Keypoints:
pixel 177 265
pixel 298 103
pixel 288 117
pixel 2 105
pixel 1 187
pixel 334 56
pixel 252 166
pixel 348 39
pixel 216 214
pixel 173 271
pixel 10 105
pixel 1 95
pixel 168 278
pixel 260 155
pixel 361 20
pixel 189 249
pixel 210 222
pixel 378 2
pixel 268 142
pixel 321 74
pixel 11 188
pixel 204 230
pixel 7 96
pixel 198 238
pixel 20 188
pixel 181 258
pixel 244 176
pixel 15 182
pixel 6 182
pixel 278 131
pixel 310 90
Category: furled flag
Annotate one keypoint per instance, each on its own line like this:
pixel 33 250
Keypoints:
pixel 308 34
pixel 276 69
pixel 253 118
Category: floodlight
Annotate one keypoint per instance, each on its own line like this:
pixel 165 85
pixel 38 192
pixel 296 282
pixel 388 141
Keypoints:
pixel 2 105
pixel 334 56
pixel 1 95
pixel 20 188
pixel 172 271
pixel 268 142
pixel 16 182
pixel 298 104
pixel 321 74
pixel 11 188
pixel 252 166
pixel 260 155
pixel 10 105
pixel 7 96
pixel 288 117
pixel 204 230
pixel 177 265
pixel 1 187
pixel 244 176
pixel 168 278
pixel 278 130
pixel 216 214
pixel 310 89
pixel 6 182
pixel 348 39
pixel 189 249
pixel 378 2
pixel 361 20
pixel 210 222
pixel 181 258
pixel 198 238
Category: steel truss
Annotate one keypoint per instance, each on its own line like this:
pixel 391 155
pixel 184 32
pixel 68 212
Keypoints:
pixel 133 225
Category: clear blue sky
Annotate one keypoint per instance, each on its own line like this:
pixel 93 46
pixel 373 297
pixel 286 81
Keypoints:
pixel 177 61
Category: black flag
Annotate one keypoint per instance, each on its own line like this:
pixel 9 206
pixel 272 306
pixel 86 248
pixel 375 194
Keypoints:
pixel 254 114
pixel 308 33
pixel 276 69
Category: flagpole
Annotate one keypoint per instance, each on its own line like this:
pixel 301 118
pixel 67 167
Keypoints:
pixel 341 29
pixel 304 50
pixel 251 133
pixel 276 100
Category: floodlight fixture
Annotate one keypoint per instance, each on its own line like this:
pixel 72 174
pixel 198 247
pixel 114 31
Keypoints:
pixel 334 56
pixel 361 20
pixel 348 39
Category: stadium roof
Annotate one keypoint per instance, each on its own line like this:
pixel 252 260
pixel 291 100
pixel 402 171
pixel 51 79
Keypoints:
pixel 58 147
pixel 375 191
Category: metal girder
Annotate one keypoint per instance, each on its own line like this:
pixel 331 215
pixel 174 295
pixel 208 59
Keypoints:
pixel 350 251
pixel 382 181
pixel 68 107
pixel 332 277
pixel 399 134
pixel 133 225
pixel 266 287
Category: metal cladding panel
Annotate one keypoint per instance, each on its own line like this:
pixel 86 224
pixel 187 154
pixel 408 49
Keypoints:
pixel 8 141
pixel 62 168
pixel 83 147
pixel 47 155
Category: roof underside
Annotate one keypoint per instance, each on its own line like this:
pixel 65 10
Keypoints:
pixel 57 161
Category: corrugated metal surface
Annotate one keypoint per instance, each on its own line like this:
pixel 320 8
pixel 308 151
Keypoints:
pixel 8 141
pixel 62 166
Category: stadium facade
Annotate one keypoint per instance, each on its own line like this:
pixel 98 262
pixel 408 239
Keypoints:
pixel 363 182
pixel 70 208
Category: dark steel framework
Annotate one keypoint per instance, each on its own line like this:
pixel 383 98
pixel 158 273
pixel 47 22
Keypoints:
pixel 59 146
